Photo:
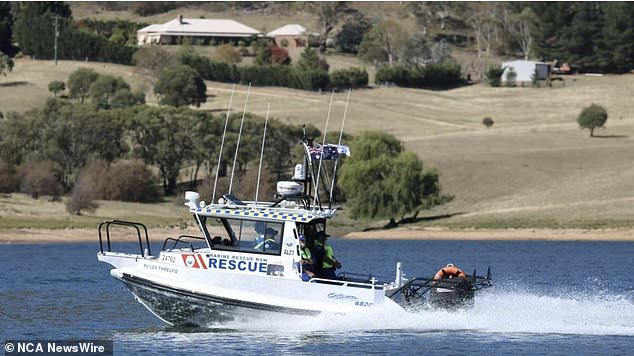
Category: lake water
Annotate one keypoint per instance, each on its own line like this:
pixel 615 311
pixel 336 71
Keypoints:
pixel 549 298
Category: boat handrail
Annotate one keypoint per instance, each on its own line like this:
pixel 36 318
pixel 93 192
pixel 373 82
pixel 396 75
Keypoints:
pixel 133 224
pixel 345 283
pixel 180 240
pixel 364 276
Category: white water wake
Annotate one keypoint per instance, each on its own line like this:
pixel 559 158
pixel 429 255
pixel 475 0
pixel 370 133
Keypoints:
pixel 495 312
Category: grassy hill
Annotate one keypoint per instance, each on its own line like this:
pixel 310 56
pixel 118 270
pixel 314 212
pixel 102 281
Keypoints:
pixel 534 167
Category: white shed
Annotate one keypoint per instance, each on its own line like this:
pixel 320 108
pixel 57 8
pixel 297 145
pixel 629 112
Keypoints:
pixel 525 70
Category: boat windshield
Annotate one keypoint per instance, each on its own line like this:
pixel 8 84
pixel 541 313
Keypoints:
pixel 245 235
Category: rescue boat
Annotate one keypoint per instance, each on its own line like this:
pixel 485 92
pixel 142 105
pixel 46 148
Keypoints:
pixel 246 261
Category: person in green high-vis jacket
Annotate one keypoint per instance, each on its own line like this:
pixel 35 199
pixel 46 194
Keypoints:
pixel 329 262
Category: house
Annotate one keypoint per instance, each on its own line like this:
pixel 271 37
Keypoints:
pixel 290 36
pixel 525 70
pixel 200 31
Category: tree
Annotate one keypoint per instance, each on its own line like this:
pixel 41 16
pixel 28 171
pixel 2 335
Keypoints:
pixel 155 59
pixel 181 85
pixel 162 137
pixel 6 27
pixel 6 64
pixel 56 86
pixel 488 122
pixel 328 14
pixel 124 98
pixel 40 178
pixel 382 181
pixel 33 26
pixel 523 24
pixel 351 34
pixel 416 52
pixel 103 89
pixel 592 117
pixel 309 60
pixel 617 50
pixel 383 42
pixel 79 83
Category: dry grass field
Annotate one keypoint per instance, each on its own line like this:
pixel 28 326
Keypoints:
pixel 533 168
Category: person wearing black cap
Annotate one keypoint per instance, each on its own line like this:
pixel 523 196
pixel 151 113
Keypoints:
pixel 330 263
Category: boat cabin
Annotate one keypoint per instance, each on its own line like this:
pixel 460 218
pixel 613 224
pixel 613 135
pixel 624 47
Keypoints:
pixel 259 232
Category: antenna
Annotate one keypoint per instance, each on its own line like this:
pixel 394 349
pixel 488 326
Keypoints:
pixel 321 149
pixel 343 122
pixel 266 121
pixel 222 144
pixel 235 157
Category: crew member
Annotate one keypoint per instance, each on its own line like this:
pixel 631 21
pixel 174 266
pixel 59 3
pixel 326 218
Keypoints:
pixel 266 238
pixel 308 271
pixel 329 263
pixel 449 271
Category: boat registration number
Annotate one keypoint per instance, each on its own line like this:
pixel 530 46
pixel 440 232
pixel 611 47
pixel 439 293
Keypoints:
pixel 170 259
pixel 363 304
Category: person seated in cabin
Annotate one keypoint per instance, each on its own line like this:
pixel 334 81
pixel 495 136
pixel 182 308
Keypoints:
pixel 216 241
pixel 308 270
pixel 449 271
pixel 266 238
pixel 227 242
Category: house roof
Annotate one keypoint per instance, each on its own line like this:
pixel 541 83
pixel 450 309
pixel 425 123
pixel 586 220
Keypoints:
pixel 288 30
pixel 203 27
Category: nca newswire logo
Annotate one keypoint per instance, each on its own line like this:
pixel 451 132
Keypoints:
pixel 58 347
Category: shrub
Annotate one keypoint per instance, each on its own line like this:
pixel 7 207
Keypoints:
pixel 308 79
pixel 494 75
pixel 430 76
pixel 8 179
pixel 488 122
pixel 392 75
pixel 349 78
pixel 279 56
pixel 41 178
pixel 511 76
pixel 226 53
pixel 131 181
pixel 592 117
pixel 284 42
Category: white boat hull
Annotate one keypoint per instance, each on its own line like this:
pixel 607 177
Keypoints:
pixel 191 296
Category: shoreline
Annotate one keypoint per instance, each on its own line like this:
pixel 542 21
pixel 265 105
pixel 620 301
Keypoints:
pixel 440 234
pixel 45 236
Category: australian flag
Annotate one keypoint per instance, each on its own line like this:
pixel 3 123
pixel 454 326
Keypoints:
pixel 328 152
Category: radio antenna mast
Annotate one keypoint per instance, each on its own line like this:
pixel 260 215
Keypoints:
pixel 235 157
pixel 222 144
pixel 266 121
pixel 321 149
pixel 343 122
